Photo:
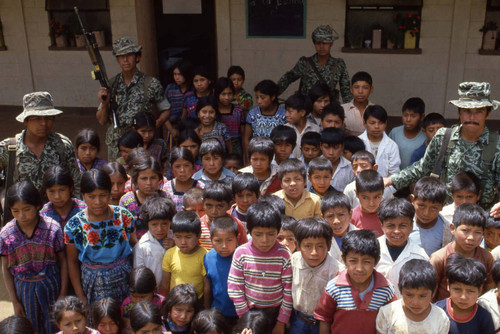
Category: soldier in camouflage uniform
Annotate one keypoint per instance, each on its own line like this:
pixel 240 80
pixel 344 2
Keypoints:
pixel 332 71
pixel 37 147
pixel 465 148
pixel 135 92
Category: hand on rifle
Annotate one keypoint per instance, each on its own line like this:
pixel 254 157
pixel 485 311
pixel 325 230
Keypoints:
pixel 103 95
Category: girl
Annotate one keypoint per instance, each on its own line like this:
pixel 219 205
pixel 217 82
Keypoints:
pixel 106 316
pixel 209 127
pixel 319 96
pixel 264 117
pixel 99 242
pixel 176 92
pixel 34 265
pixel 118 177
pixel 144 124
pixel 232 115
pixel 70 315
pixel 210 321
pixel 126 144
pixel 138 154
pixel 201 84
pixel 254 321
pixel 237 75
pixel 87 146
pixel 190 140
pixel 179 308
pixel 16 325
pixel 145 318
pixel 57 184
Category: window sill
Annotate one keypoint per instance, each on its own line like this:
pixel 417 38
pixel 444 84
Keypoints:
pixel 74 48
pixel 383 51
pixel 489 52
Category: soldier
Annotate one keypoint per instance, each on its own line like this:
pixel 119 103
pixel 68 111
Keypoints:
pixel 135 92
pixel 320 68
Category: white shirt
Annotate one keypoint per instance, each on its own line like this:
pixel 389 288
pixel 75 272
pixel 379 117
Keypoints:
pixel 490 303
pixel 353 118
pixel 343 175
pixel 309 127
pixel 447 212
pixel 149 252
pixel 335 251
pixel 350 192
pixel 387 158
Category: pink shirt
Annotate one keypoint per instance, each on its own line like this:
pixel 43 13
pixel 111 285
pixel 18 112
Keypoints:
pixel 366 221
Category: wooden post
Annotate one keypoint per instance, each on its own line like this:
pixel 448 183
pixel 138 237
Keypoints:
pixel 146 35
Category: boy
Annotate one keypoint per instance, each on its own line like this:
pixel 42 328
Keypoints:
pixel 296 115
pixel 431 230
pixel 369 190
pixel 490 300
pixel 286 236
pixel 277 203
pixel 212 157
pixel 233 162
pixel 468 226
pixel 396 248
pixel 217 262
pixel 157 212
pixel 350 301
pixel 320 96
pixel 465 188
pixel 246 191
pixel 332 116
pixel 466 278
pixel 352 144
pixel 193 201
pixel 332 146
pixel 378 143
pixel 431 124
pixel 491 238
pixel 284 139
pixel 237 75
pixel 299 202
pixel 309 147
pixel 320 174
pixel 184 262
pixel 263 264
pixel 312 269
pixel 414 313
pixel 409 136
pixel 361 88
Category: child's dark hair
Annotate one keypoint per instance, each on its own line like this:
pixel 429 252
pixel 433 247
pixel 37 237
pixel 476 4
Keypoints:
pixel 288 223
pixel 145 164
pixel 262 214
pixel 417 273
pixel 186 222
pixel 414 104
pixel 16 324
pixel 234 157
pixel 495 272
pixel 274 201
pixel 354 144
pixel 106 307
pixel 142 280
pixel 144 119
pixel 192 195
pixel 142 313
pixel 433 118
pixel 319 90
pixel 88 136
pixel 362 76
pixel 395 208
pixel 256 320
pixel 292 165
pixel 206 101
pixel 235 69
pixel 210 321
pixel 189 134
pixel 363 242
pixel 335 199
pixel 56 175
pixel 95 179
pixel 136 156
pixel 218 191
pixel 468 271
pixel 245 181
pixel 219 86
pixel 130 139
pixel 298 102
pixel 156 207
pixel 467 181
pixel 430 189
pixel 262 145
pixel 332 136
pixel 375 111
pixel 492 222
pixel 319 164
pixel 268 87
pixel 185 67
pixel 313 227
pixel 283 133
pixel 115 168
pixel 212 146
pixel 310 138
pixel 68 303
pixel 181 153
pixel 469 214
pixel 180 294
pixel 224 223
pixel 370 181
pixel 333 109
pixel 364 155
pixel 202 72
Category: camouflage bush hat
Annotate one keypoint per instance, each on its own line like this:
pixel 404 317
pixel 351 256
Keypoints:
pixel 37 104
pixel 325 34
pixel 474 95
pixel 124 45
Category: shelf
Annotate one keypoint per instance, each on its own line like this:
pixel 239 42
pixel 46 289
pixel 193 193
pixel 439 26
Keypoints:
pixel 74 48
pixel 383 51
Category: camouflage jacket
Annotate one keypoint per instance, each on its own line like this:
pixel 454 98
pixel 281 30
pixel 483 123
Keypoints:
pixel 465 156
pixel 332 74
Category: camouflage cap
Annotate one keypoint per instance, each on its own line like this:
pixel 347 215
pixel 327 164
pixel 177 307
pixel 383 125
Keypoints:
pixel 124 45
pixel 325 34
pixel 37 104
pixel 474 95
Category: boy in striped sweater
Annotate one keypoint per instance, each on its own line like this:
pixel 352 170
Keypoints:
pixel 261 274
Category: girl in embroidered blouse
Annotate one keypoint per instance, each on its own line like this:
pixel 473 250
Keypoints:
pixel 209 126
pixel 71 313
pixel 202 84
pixel 118 177
pixel 87 147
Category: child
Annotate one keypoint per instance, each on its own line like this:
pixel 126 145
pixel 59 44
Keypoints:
pixel 352 144
pixel 184 262
pixel 209 127
pixel 157 213
pixel 468 226
pixel 409 136
pixel 262 254
pixel 190 140
pixel 431 124
pixel 212 157
pixel 118 177
pixel 309 147
pixel 319 96
pixel 284 139
pixel 383 148
pixel 128 141
pixel 193 201
pixel 491 234
pixel 106 316
pixel 276 202
pixel 414 313
pixel 332 146
pixel 234 163
pixel 70 315
pixel 145 317
pixel 369 190
pixel 210 322
pixel 320 174
pixel 332 116
pixel 396 248
pixel 144 123
pixel 361 89
pixel 357 292
pixel 296 115
pixel 246 191
pixel 179 308
pixel 237 75
pixel 176 92
pixel 432 231
pixel 299 202
pixel 223 233
pixel 202 83
pixel 33 281
pixel 57 184
pixel 490 300
pixel 16 324
pixel 286 236
pixel 312 268
pixel 87 145
pixel 465 187
pixel 254 321
pixel 466 278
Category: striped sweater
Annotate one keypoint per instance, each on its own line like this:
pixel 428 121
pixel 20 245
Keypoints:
pixel 261 280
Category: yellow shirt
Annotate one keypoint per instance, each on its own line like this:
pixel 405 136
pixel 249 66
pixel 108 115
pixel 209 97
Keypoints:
pixel 309 205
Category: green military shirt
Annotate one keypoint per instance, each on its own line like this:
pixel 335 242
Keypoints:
pixel 465 156
pixel 334 71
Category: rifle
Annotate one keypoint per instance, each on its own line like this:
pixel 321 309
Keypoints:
pixel 99 73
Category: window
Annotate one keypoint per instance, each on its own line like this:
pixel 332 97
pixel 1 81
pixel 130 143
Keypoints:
pixel 490 44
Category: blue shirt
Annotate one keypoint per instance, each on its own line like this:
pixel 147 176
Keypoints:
pixel 418 153
pixel 430 239
pixel 406 145
pixel 217 268
pixel 480 323
pixel 226 176
pixel 262 125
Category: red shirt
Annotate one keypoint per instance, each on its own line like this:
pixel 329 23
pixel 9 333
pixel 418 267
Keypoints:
pixel 366 221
